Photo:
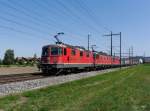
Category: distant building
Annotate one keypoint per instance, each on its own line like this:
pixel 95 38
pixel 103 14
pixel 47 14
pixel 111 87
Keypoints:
pixel 146 59
pixel 138 59
pixel 133 60
pixel 25 60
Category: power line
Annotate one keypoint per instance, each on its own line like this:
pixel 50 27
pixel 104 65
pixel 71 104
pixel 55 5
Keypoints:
pixel 44 4
pixel 25 11
pixel 87 12
pixel 38 4
pixel 26 14
pixel 91 14
pixel 22 32
pixel 21 24
pixel 88 42
pixel 76 16
pixel 47 8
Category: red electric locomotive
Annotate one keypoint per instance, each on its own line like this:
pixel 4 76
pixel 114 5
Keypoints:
pixel 60 56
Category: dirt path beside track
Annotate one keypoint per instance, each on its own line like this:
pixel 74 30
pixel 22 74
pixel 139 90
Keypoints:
pixel 17 70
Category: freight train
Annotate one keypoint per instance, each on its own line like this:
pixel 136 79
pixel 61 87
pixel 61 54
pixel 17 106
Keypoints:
pixel 62 57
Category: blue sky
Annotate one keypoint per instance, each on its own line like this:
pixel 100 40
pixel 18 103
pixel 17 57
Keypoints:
pixel 27 25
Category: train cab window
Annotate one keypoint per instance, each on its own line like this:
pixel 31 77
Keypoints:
pixel 56 51
pixel 45 51
pixel 65 51
pixel 73 52
pixel 81 53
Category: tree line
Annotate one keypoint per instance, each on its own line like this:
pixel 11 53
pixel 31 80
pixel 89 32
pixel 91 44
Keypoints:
pixel 9 59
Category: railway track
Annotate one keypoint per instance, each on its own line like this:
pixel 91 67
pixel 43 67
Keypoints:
pixel 4 79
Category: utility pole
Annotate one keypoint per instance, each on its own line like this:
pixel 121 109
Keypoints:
pixel 88 42
pixel 94 56
pixel 116 34
pixel 111 51
pixel 111 43
pixel 120 49
pixel 132 55
pixel 129 56
pixel 92 46
pixel 114 54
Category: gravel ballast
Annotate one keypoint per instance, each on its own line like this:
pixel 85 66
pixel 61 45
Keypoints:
pixel 17 87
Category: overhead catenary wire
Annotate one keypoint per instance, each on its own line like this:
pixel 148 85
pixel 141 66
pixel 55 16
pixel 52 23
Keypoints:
pixel 24 25
pixel 26 12
pixel 66 11
pixel 53 20
pixel 58 26
pixel 92 15
pixel 21 24
pixel 37 20
pixel 21 11
pixel 23 7
pixel 23 32
pixel 68 32
pixel 72 12
pixel 77 17
pixel 89 15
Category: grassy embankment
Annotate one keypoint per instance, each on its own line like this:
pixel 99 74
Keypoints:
pixel 125 90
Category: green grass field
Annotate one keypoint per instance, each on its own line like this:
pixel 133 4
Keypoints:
pixel 125 90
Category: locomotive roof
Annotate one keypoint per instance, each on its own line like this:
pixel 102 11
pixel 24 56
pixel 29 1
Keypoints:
pixel 78 47
pixel 65 45
pixel 53 45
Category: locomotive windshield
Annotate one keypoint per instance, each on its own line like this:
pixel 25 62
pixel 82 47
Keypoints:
pixel 45 51
pixel 56 51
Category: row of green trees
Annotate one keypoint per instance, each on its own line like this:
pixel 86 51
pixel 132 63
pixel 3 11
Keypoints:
pixel 9 59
